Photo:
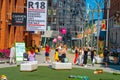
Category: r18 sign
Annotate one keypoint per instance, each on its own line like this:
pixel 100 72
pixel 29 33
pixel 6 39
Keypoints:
pixel 36 15
pixel 36 5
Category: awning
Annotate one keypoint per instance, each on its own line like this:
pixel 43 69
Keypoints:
pixel 50 34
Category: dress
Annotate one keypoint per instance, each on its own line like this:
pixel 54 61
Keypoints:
pixel 56 56
pixel 12 55
pixel 85 57
pixel 76 56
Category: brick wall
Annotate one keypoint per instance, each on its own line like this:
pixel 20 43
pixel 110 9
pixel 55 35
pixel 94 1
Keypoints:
pixel 115 6
pixel 10 34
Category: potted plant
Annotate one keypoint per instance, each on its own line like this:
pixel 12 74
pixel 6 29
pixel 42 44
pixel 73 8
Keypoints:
pixel 115 56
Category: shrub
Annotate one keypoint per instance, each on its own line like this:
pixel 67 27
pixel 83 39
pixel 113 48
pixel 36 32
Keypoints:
pixel 4 53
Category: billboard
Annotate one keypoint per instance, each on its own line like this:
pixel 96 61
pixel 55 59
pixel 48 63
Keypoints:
pixel 36 15
pixel 20 49
pixel 103 25
pixel 19 19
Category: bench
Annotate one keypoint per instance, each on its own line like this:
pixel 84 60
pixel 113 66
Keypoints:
pixel 29 66
pixel 59 65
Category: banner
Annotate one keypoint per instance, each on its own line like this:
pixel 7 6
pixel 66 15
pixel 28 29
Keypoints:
pixel 36 15
pixel 103 26
pixel 20 49
pixel 18 19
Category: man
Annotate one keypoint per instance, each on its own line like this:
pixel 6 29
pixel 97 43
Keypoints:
pixel 106 56
pixel 12 55
pixel 118 52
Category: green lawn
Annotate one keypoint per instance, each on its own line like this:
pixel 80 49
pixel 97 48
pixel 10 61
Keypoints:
pixel 45 73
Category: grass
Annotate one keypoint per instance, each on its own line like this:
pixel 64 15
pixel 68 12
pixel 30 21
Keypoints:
pixel 45 73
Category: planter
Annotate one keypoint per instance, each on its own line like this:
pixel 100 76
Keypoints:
pixel 99 60
pixel 116 59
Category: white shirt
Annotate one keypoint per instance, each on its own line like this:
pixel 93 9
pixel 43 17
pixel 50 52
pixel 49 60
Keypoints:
pixel 12 52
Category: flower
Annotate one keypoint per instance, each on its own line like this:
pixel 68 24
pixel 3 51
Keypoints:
pixel 3 77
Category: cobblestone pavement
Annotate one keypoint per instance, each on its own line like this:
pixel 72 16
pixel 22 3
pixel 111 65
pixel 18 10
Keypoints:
pixel 40 57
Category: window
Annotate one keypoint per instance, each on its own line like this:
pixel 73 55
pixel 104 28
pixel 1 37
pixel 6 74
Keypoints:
pixel 60 4
pixel 54 12
pixel 49 3
pixel 54 3
pixel 49 12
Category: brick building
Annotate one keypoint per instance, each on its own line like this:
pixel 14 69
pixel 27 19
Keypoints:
pixel 10 34
pixel 114 22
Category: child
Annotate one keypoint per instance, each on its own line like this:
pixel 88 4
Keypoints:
pixel 56 58
pixel 31 56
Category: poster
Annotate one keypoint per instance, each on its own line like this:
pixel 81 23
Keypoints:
pixel 36 15
pixel 19 19
pixel 20 49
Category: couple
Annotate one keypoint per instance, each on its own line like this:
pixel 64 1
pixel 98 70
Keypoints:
pixel 61 49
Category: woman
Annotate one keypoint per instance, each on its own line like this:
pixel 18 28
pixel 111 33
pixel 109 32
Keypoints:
pixel 47 52
pixel 80 58
pixel 76 55
pixel 60 51
pixel 85 56
pixel 93 54
pixel 64 50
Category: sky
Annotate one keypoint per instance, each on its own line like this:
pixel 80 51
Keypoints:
pixel 94 7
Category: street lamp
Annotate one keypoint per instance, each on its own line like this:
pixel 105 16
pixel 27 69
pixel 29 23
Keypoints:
pixel 98 3
pixel 108 8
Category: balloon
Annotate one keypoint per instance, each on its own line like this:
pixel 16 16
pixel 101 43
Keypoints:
pixel 63 31
pixel 59 38
pixel 54 40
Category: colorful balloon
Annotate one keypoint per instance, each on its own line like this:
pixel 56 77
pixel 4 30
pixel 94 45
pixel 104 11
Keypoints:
pixel 63 31
pixel 59 38
pixel 54 40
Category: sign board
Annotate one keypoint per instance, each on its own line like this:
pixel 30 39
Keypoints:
pixel 20 49
pixel 36 15
pixel 19 19
pixel 50 34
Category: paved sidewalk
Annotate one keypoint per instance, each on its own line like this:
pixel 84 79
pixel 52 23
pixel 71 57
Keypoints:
pixel 111 68
pixel 41 58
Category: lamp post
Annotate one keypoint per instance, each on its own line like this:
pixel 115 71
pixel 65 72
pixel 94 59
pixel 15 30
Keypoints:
pixel 108 8
pixel 98 3
pixel 92 10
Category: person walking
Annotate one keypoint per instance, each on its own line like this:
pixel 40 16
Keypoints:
pixel 85 57
pixel 118 52
pixel 80 58
pixel 76 55
pixel 47 51
pixel 93 53
pixel 12 55
pixel 106 56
